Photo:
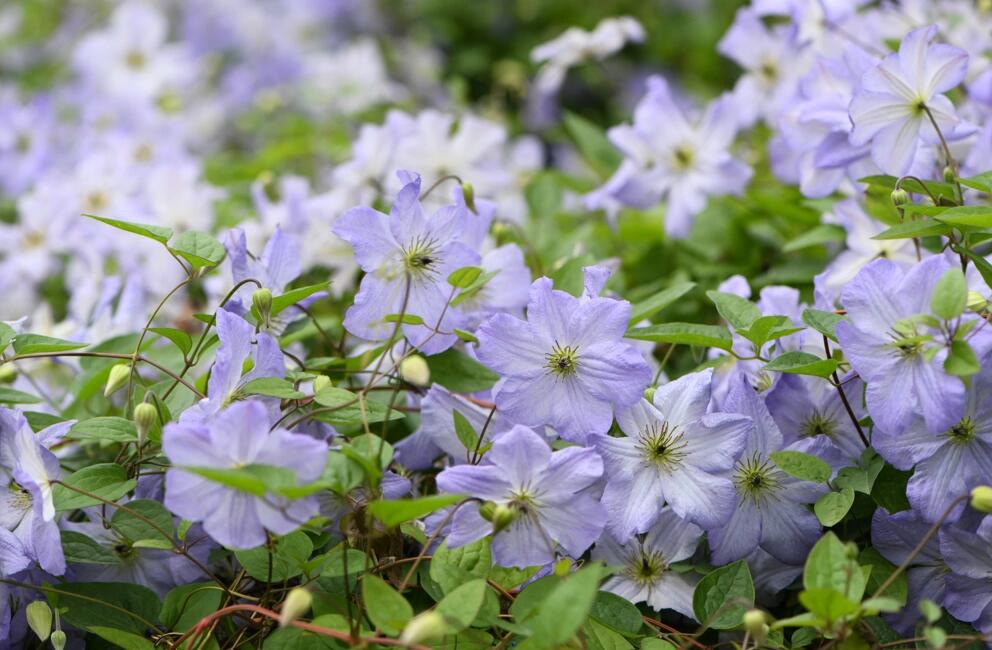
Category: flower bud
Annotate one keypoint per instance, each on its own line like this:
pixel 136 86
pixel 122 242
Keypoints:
pixel 297 604
pixel 8 373
pixel 414 370
pixel 851 550
pixel 500 515
pixel 58 639
pixel 976 302
pixel 755 625
pixel 39 617
pixel 981 498
pixel 423 627
pixel 320 382
pixel 468 193
pixel 117 379
pixel 949 175
pixel 261 300
pixel 649 393
pixel 899 197
pixel 145 415
pixel 486 510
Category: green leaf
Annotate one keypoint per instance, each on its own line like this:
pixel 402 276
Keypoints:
pixel 406 319
pixel 981 182
pixel 464 430
pixel 122 639
pixel 543 195
pixel 914 229
pixel 601 637
pixel 967 216
pixel 460 607
pixel 181 339
pixel 79 548
pixel 961 360
pixel 271 387
pixel 7 335
pixel 617 613
pixel 723 595
pixel 198 248
pixel 459 372
pixel 802 466
pixel 950 295
pixel 939 189
pixel 828 566
pixel 254 479
pixel 351 408
pixel 651 306
pixel 37 344
pixel 106 480
pixel 769 328
pixel 387 609
pixel 104 429
pixel 133 524
pixel 563 611
pixel 829 604
pixel 464 277
pixel 711 336
pixel 286 300
pixel 833 506
pixel 451 567
pixel 472 290
pixel 824 322
pixel 739 312
pixel 185 605
pixel 802 363
pixel 983 265
pixel 592 144
pixel 648 643
pixel 116 605
pixel 825 233
pixel 161 234
pixel 289 557
pixel 889 490
pixel 394 512
pixel 881 569
pixel 13 396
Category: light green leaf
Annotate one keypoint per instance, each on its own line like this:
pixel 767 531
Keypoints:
pixel 802 466
pixel 271 387
pixel 462 605
pixel 37 344
pixel 464 277
pixel 161 234
pixel 459 372
pixel 289 557
pixel 950 296
pixel 722 596
pixel 802 363
pixel 711 336
pixel 198 248
pixel 961 360
pixel 10 395
pixel 739 312
pixel 394 512
pixel 651 306
pixel 388 610
pixel 451 567
pixel 106 480
pixel 104 429
pixel 833 506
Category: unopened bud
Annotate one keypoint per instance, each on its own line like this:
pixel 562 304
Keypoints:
pixel 117 379
pixel 981 498
pixel 424 627
pixel 949 175
pixel 8 373
pixel 899 197
pixel 58 639
pixel 468 193
pixel 320 382
pixel 976 302
pixel 145 415
pixel 500 515
pixel 39 617
pixel 755 625
pixel 649 393
pixel 414 370
pixel 297 604
pixel 261 300
pixel 851 550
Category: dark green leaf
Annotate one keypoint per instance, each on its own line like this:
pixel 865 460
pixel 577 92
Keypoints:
pixel 137 521
pixel 105 480
pixel 104 429
pixel 459 372
pixel 592 144
pixel 289 556
pixel 283 301
pixel 185 605
pixel 77 547
pixel 115 605
pixel 651 306
pixel 388 610
pixel 723 595
pixel 713 336
pixel 822 234
pixel 451 567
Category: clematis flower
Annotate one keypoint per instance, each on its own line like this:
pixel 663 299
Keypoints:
pixel 948 463
pixel 567 365
pixel 886 347
pixel 969 556
pixel 576 45
pixel 27 469
pixel 772 508
pixel 898 97
pixel 407 259
pixel 646 576
pixel 672 451
pixel 674 156
pixel 543 489
pixel 236 437
pixel 437 420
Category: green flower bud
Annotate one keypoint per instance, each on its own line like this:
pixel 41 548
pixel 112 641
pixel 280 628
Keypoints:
pixel 145 416
pixel 468 192
pixel 58 639
pixel 117 379
pixel 981 498
pixel 320 382
pixel 976 302
pixel 261 300
pixel 851 550
pixel 414 370
pixel 500 515
pixel 39 617
pixel 8 373
pixel 486 510
pixel 754 623
pixel 649 393
pixel 297 604
pixel 899 197
pixel 949 175
pixel 423 627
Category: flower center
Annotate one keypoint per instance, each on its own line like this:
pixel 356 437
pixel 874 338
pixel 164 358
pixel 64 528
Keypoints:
pixel 22 143
pixel 95 201
pixel 20 499
pixel 662 445
pixel 963 432
pixel 135 59
pixel 817 424
pixel 420 258
pixel 683 157
pixel 563 360
pixel 768 70
pixel 645 567
pixel 754 478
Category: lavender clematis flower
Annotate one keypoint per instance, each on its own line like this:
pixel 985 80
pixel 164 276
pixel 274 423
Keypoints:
pixel 407 259
pixel 886 349
pixel 27 469
pixel 969 556
pixel 899 98
pixel 772 508
pixel 567 365
pixel 895 536
pixel 672 451
pixel 437 419
pixel 236 437
pixel 949 463
pixel 544 489
pixel 645 576
pixel 278 265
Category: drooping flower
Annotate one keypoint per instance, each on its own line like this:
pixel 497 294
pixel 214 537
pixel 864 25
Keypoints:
pixel 237 437
pixel 948 463
pixel 672 451
pixel 887 346
pixel 567 365
pixel 674 156
pixel 407 259
pixel 901 95
pixel 543 489
pixel 646 576
pixel 772 508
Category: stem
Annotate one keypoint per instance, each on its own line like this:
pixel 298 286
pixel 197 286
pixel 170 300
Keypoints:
pixel 953 164
pixel 843 397
pixel 448 177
